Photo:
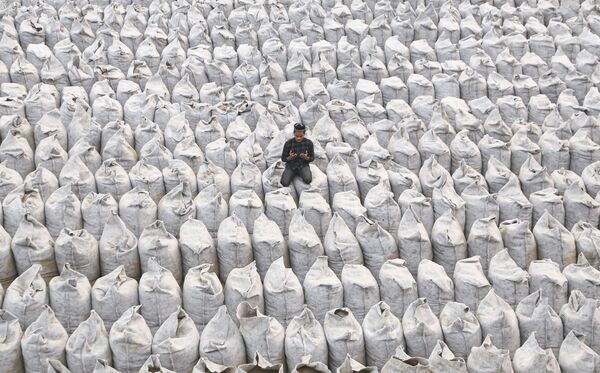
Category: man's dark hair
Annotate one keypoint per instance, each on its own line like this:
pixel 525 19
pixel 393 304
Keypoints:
pixel 299 127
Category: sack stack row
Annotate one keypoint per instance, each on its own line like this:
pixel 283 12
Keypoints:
pixel 451 225
pixel 464 324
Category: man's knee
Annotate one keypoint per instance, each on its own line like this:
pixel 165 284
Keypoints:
pixel 306 175
pixel 285 181
pixel 286 177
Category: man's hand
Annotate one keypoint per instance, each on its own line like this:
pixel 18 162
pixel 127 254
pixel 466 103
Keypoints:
pixel 304 156
pixel 292 156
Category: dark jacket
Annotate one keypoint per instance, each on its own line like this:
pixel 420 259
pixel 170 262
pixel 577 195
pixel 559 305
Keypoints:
pixel 298 147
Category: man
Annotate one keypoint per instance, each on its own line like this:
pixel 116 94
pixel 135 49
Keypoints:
pixel 297 155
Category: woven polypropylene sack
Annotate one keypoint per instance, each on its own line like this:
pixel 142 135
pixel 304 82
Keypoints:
pixel 88 343
pixel 44 339
pixel 130 341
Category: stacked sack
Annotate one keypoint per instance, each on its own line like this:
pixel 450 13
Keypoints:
pixel 451 225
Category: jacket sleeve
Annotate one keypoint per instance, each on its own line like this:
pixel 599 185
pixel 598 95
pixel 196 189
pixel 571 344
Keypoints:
pixel 311 152
pixel 286 151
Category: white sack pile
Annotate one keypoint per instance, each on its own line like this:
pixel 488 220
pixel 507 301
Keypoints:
pixel 452 224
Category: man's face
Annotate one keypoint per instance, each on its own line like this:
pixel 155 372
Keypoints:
pixel 299 135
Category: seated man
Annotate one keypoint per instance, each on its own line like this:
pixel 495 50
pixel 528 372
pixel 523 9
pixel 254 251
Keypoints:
pixel 297 154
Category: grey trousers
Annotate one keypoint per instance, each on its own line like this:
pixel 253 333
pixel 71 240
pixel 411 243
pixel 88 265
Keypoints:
pixel 289 174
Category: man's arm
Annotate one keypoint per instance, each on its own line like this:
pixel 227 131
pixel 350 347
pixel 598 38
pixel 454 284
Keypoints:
pixel 286 151
pixel 311 151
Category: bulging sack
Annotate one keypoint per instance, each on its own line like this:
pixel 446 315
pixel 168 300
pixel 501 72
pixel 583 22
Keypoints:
pixel 96 209
pixel 103 366
pixel 304 337
pixel 554 241
pixel 202 294
pixel 361 291
pixel 307 364
pixel 530 357
pixel 80 250
pixel 65 209
pixel 221 340
pixel 196 246
pixel 176 207
pixel 234 248
pixel 434 285
pixel 576 356
pixel 156 242
pixel 377 244
pixel 534 177
pixel 509 281
pixel 442 359
pixel 71 298
pixel 382 208
pixel 519 241
pixel 207 366
pixel 113 294
pixel 26 296
pixel 8 270
pixel 24 199
pixel 317 210
pixel 340 177
pixel 280 207
pixel 260 364
pixel 283 292
pixel 32 244
pixel 536 316
pixel 470 283
pixel 247 206
pixel 12 359
pixel 580 206
pixel 513 203
pixel 397 286
pixel 268 244
pixel 466 175
pixel 352 366
pixel 118 247
pixel 341 246
pixel 153 364
pixel 349 207
pixel 138 210
pixel 489 358
pixel 582 314
pixel 586 236
pixel 401 362
pixel 461 328
pixel 583 277
pixel 323 290
pixel 112 178
pixel 130 341
pixel 498 322
pixel 44 339
pixel 382 333
pixel 547 277
pixel 547 200
pixel 262 334
pixel 421 328
pixel 344 336
pixel 304 245
pixel 211 207
pixel 448 241
pixel 413 241
pixel 160 294
pixel 479 204
pixel 243 285
pixel 148 177
pixel 88 343
pixel 176 343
